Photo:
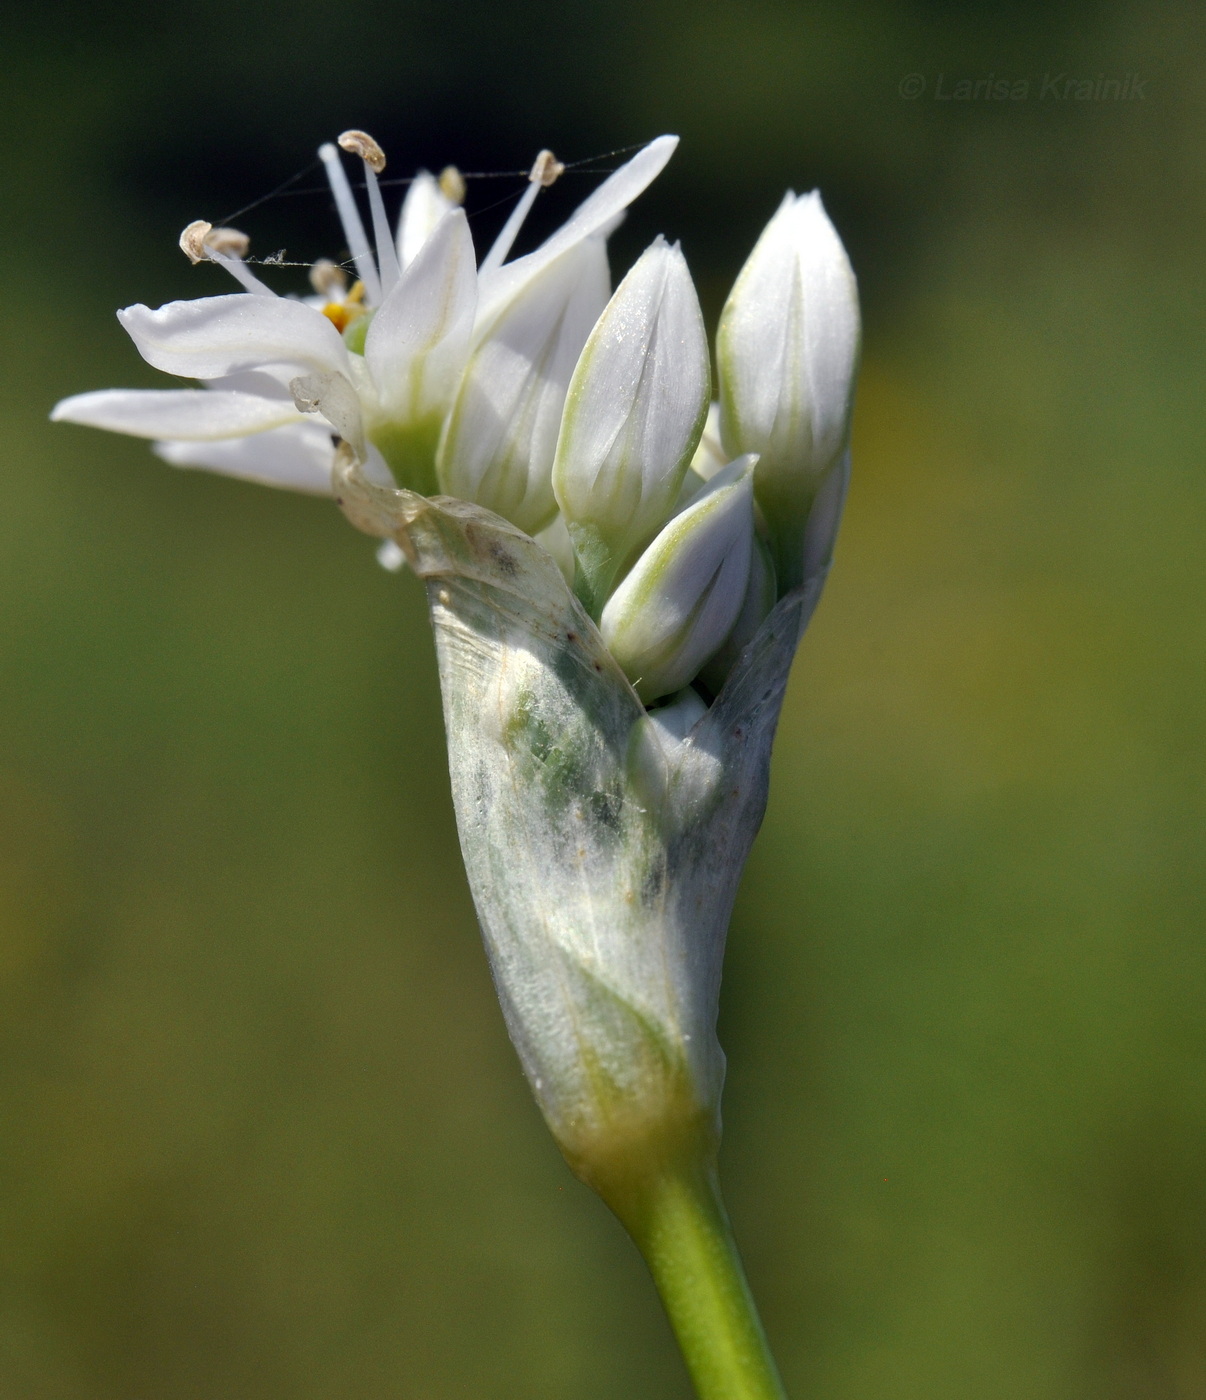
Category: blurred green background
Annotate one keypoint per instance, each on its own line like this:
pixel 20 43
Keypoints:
pixel 263 1134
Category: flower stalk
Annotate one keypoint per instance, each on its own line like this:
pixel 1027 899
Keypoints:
pixel 679 1223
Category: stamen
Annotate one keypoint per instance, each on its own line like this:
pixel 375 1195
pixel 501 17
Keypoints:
pixel 452 184
pixel 201 242
pixel 192 241
pixel 360 143
pixel 327 277
pixel 545 170
pixel 229 241
pixel 349 217
pixel 242 274
pixel 348 308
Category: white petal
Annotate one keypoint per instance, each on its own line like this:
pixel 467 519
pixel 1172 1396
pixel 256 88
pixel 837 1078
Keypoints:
pixel 418 341
pixel 501 437
pixel 756 333
pixel 710 456
pixel 592 216
pixel 215 336
pixel 760 596
pixel 422 209
pixel 200 415
pixel 297 458
pixel 831 324
pixel 254 381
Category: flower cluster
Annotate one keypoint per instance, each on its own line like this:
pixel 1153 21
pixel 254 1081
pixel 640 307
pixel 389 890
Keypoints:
pixel 525 386
pixel 618 572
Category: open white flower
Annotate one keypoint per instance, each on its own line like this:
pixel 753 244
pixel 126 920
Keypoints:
pixel 381 364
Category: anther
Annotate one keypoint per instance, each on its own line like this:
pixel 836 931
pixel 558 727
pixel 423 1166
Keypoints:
pixel 452 184
pixel 227 241
pixel 546 169
pixel 192 241
pixel 327 277
pixel 360 143
pixel 201 242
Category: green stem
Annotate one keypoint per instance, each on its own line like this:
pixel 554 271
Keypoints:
pixel 683 1231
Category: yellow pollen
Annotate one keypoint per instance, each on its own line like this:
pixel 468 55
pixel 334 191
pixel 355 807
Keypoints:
pixel 452 184
pixel 341 314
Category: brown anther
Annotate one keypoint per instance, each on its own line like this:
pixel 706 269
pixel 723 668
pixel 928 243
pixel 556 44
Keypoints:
pixel 452 184
pixel 546 169
pixel 227 241
pixel 192 241
pixel 327 277
pixel 360 143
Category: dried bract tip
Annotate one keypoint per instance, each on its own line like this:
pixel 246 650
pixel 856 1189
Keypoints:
pixel 192 241
pixel 546 169
pixel 327 277
pixel 360 143
pixel 229 242
pixel 452 184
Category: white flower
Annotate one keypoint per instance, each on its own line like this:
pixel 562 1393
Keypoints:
pixel 679 603
pixel 381 364
pixel 633 416
pixel 786 350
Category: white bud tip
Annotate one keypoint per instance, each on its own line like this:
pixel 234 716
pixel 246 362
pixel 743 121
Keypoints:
pixel 327 277
pixel 546 169
pixel 360 143
pixel 390 556
pixel 228 241
pixel 192 241
pixel 452 184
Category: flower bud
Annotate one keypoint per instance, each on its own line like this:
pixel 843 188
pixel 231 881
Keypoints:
pixel 633 416
pixel 500 439
pixel 786 350
pixel 679 603
pixel 422 209
pixel 760 596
